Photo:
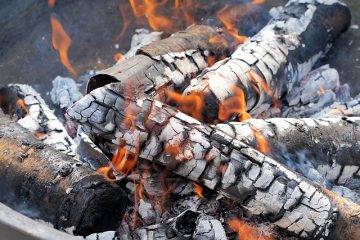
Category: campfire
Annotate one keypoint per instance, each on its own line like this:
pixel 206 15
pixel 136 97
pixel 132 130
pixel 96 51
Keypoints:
pixel 202 130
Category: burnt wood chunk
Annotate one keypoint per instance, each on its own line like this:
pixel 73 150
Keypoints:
pixel 53 186
pixel 276 58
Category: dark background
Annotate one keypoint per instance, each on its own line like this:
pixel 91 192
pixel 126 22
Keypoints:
pixel 27 56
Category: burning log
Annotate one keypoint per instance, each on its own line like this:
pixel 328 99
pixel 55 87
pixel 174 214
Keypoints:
pixel 268 65
pixel 330 145
pixel 168 63
pixel 339 109
pixel 27 105
pixel 55 187
pixel 263 186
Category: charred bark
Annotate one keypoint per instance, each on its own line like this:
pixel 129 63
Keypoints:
pixel 263 186
pixel 53 186
pixel 169 63
pixel 327 145
pixel 267 65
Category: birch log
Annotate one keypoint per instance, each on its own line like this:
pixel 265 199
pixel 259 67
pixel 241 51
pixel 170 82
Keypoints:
pixel 330 145
pixel 53 186
pixel 169 63
pixel 201 153
pixel 275 58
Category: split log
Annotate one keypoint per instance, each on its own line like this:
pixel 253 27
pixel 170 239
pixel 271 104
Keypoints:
pixel 327 145
pixel 168 63
pixel 53 186
pixel 263 186
pixel 267 65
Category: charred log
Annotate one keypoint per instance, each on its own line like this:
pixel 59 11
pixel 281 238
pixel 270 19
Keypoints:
pixel 53 186
pixel 327 145
pixel 168 63
pixel 267 65
pixel 263 186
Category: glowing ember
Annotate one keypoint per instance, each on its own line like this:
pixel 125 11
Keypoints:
pixel 261 140
pixel 253 76
pixel 245 231
pixel 61 42
pixel 191 104
pixel 198 190
pixel 227 15
pixel 234 105
pixel 118 56
pixel 21 104
pixel 258 1
pixel 321 90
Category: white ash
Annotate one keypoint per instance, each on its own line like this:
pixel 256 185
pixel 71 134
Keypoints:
pixel 109 235
pixel 141 38
pixel 64 92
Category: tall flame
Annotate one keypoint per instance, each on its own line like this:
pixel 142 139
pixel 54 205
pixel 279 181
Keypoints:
pixel 61 42
pixel 191 104
pixel 234 105
pixel 245 231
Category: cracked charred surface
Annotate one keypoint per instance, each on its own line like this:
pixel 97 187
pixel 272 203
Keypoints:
pixel 204 154
pixel 281 54
pixel 330 145
pixel 54 186
pixel 166 64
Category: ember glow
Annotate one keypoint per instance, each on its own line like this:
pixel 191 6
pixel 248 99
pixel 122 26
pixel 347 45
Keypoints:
pixel 191 104
pixel 245 231
pixel 260 140
pixel 118 56
pixel 321 90
pixel 253 76
pixel 234 105
pixel 21 104
pixel 198 190
pixel 61 42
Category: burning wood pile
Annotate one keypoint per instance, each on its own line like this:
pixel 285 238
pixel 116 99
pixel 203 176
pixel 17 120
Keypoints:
pixel 192 138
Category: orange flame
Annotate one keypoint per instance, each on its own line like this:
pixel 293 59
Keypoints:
pixel 261 140
pixel 21 104
pixel 321 90
pixel 51 3
pixel 253 76
pixel 117 56
pixel 258 1
pixel 245 231
pixel 227 15
pixel 234 105
pixel 198 190
pixel 191 104
pixel 61 42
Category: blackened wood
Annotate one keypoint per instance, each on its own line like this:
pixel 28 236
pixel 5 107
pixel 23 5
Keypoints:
pixel 53 186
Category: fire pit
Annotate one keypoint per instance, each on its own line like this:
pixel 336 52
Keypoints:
pixel 223 121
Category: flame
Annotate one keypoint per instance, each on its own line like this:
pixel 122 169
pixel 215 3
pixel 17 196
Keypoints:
pixel 218 40
pixel 258 1
pixel 261 141
pixel 125 22
pixel 321 90
pixel 253 76
pixel 191 104
pixel 198 190
pixel 61 42
pixel 227 15
pixel 51 3
pixel 234 105
pixel 118 56
pixel 245 231
pixel 21 104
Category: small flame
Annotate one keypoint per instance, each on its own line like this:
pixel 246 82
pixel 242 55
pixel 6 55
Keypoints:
pixel 21 104
pixel 39 134
pixel 253 76
pixel 234 105
pixel 118 56
pixel 321 90
pixel 191 104
pixel 125 22
pixel 198 190
pixel 61 42
pixel 261 140
pixel 227 15
pixel 51 3
pixel 245 231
